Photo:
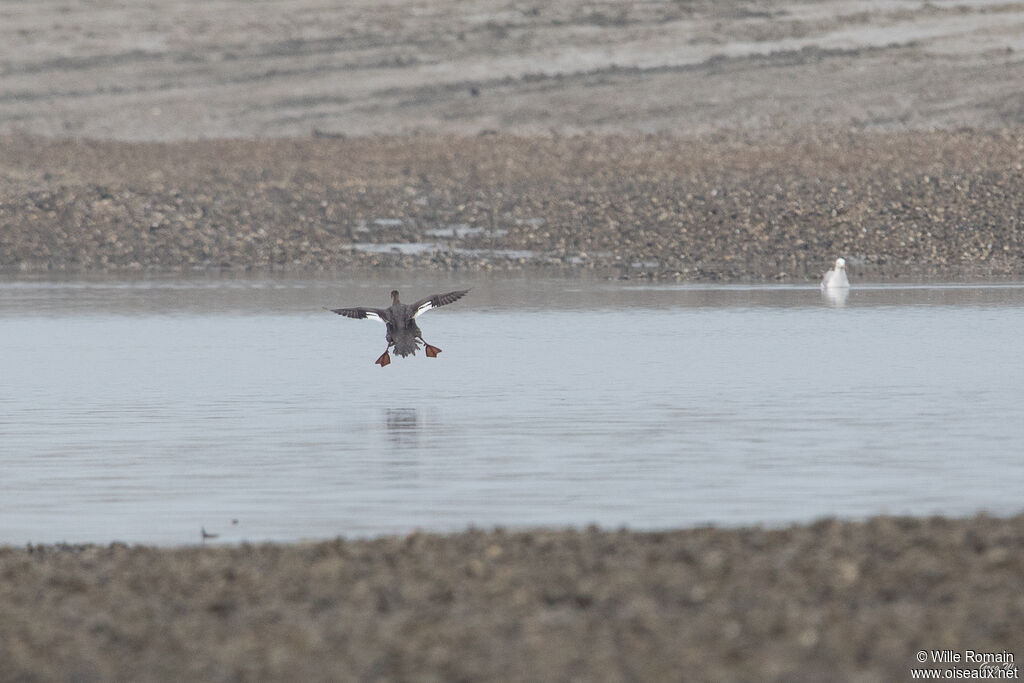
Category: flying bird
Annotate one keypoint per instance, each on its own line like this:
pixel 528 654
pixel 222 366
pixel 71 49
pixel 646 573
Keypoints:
pixel 403 332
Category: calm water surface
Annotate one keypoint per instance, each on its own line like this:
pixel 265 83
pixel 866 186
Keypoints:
pixel 142 410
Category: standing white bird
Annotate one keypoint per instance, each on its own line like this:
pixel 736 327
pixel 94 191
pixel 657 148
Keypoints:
pixel 836 277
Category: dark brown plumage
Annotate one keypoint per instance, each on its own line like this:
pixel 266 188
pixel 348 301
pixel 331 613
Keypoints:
pixel 403 332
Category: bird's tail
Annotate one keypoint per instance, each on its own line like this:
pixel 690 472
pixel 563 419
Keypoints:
pixel 406 345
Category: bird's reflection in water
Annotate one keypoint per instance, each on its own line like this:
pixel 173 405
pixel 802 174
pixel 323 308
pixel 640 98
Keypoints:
pixel 835 296
pixel 403 427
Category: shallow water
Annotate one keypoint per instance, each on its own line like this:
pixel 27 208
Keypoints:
pixel 143 410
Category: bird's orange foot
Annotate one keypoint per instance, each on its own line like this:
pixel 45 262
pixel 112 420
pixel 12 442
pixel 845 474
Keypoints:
pixel 432 351
pixel 384 359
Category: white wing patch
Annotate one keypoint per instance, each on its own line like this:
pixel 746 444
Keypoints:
pixel 437 300
pixel 372 315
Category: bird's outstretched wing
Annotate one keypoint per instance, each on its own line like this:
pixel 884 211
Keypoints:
pixel 360 312
pixel 424 305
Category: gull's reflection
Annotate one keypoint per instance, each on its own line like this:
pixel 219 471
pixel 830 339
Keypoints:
pixel 835 296
pixel 403 427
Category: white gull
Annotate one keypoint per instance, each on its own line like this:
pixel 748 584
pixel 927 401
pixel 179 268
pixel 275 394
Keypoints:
pixel 836 277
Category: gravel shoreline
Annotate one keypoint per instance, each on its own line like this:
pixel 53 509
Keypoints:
pixel 739 207
pixel 841 601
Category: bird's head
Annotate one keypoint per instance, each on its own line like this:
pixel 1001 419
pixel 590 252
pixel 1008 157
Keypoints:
pixel 840 263
pixel 394 295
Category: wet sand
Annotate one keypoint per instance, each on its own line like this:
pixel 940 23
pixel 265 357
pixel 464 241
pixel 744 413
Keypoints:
pixel 839 601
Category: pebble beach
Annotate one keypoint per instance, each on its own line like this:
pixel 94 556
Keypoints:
pixel 910 205
pixel 841 601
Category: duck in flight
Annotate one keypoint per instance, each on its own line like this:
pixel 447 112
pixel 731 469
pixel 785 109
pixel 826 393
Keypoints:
pixel 403 332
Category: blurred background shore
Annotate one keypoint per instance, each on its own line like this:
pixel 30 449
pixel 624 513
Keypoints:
pixel 187 69
pixel 908 205
pixel 666 140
